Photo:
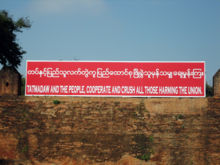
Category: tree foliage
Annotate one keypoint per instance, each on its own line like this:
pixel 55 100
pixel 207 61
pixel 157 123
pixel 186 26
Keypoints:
pixel 209 90
pixel 10 51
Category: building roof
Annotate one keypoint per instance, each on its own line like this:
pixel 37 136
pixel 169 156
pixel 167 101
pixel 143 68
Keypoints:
pixel 10 69
pixel 217 73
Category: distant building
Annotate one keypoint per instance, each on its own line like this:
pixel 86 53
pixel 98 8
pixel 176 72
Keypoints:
pixel 10 81
pixel 216 83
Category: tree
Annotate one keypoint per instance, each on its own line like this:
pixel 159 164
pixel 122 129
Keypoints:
pixel 209 90
pixel 10 51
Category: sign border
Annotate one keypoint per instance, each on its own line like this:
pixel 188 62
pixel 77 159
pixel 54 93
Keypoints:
pixel 128 96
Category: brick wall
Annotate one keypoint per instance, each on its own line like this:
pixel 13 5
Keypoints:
pixel 36 130
pixel 216 83
pixel 10 81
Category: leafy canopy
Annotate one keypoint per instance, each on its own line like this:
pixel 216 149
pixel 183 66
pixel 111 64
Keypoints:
pixel 10 51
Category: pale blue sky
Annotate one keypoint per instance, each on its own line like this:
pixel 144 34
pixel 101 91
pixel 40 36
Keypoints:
pixel 122 30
